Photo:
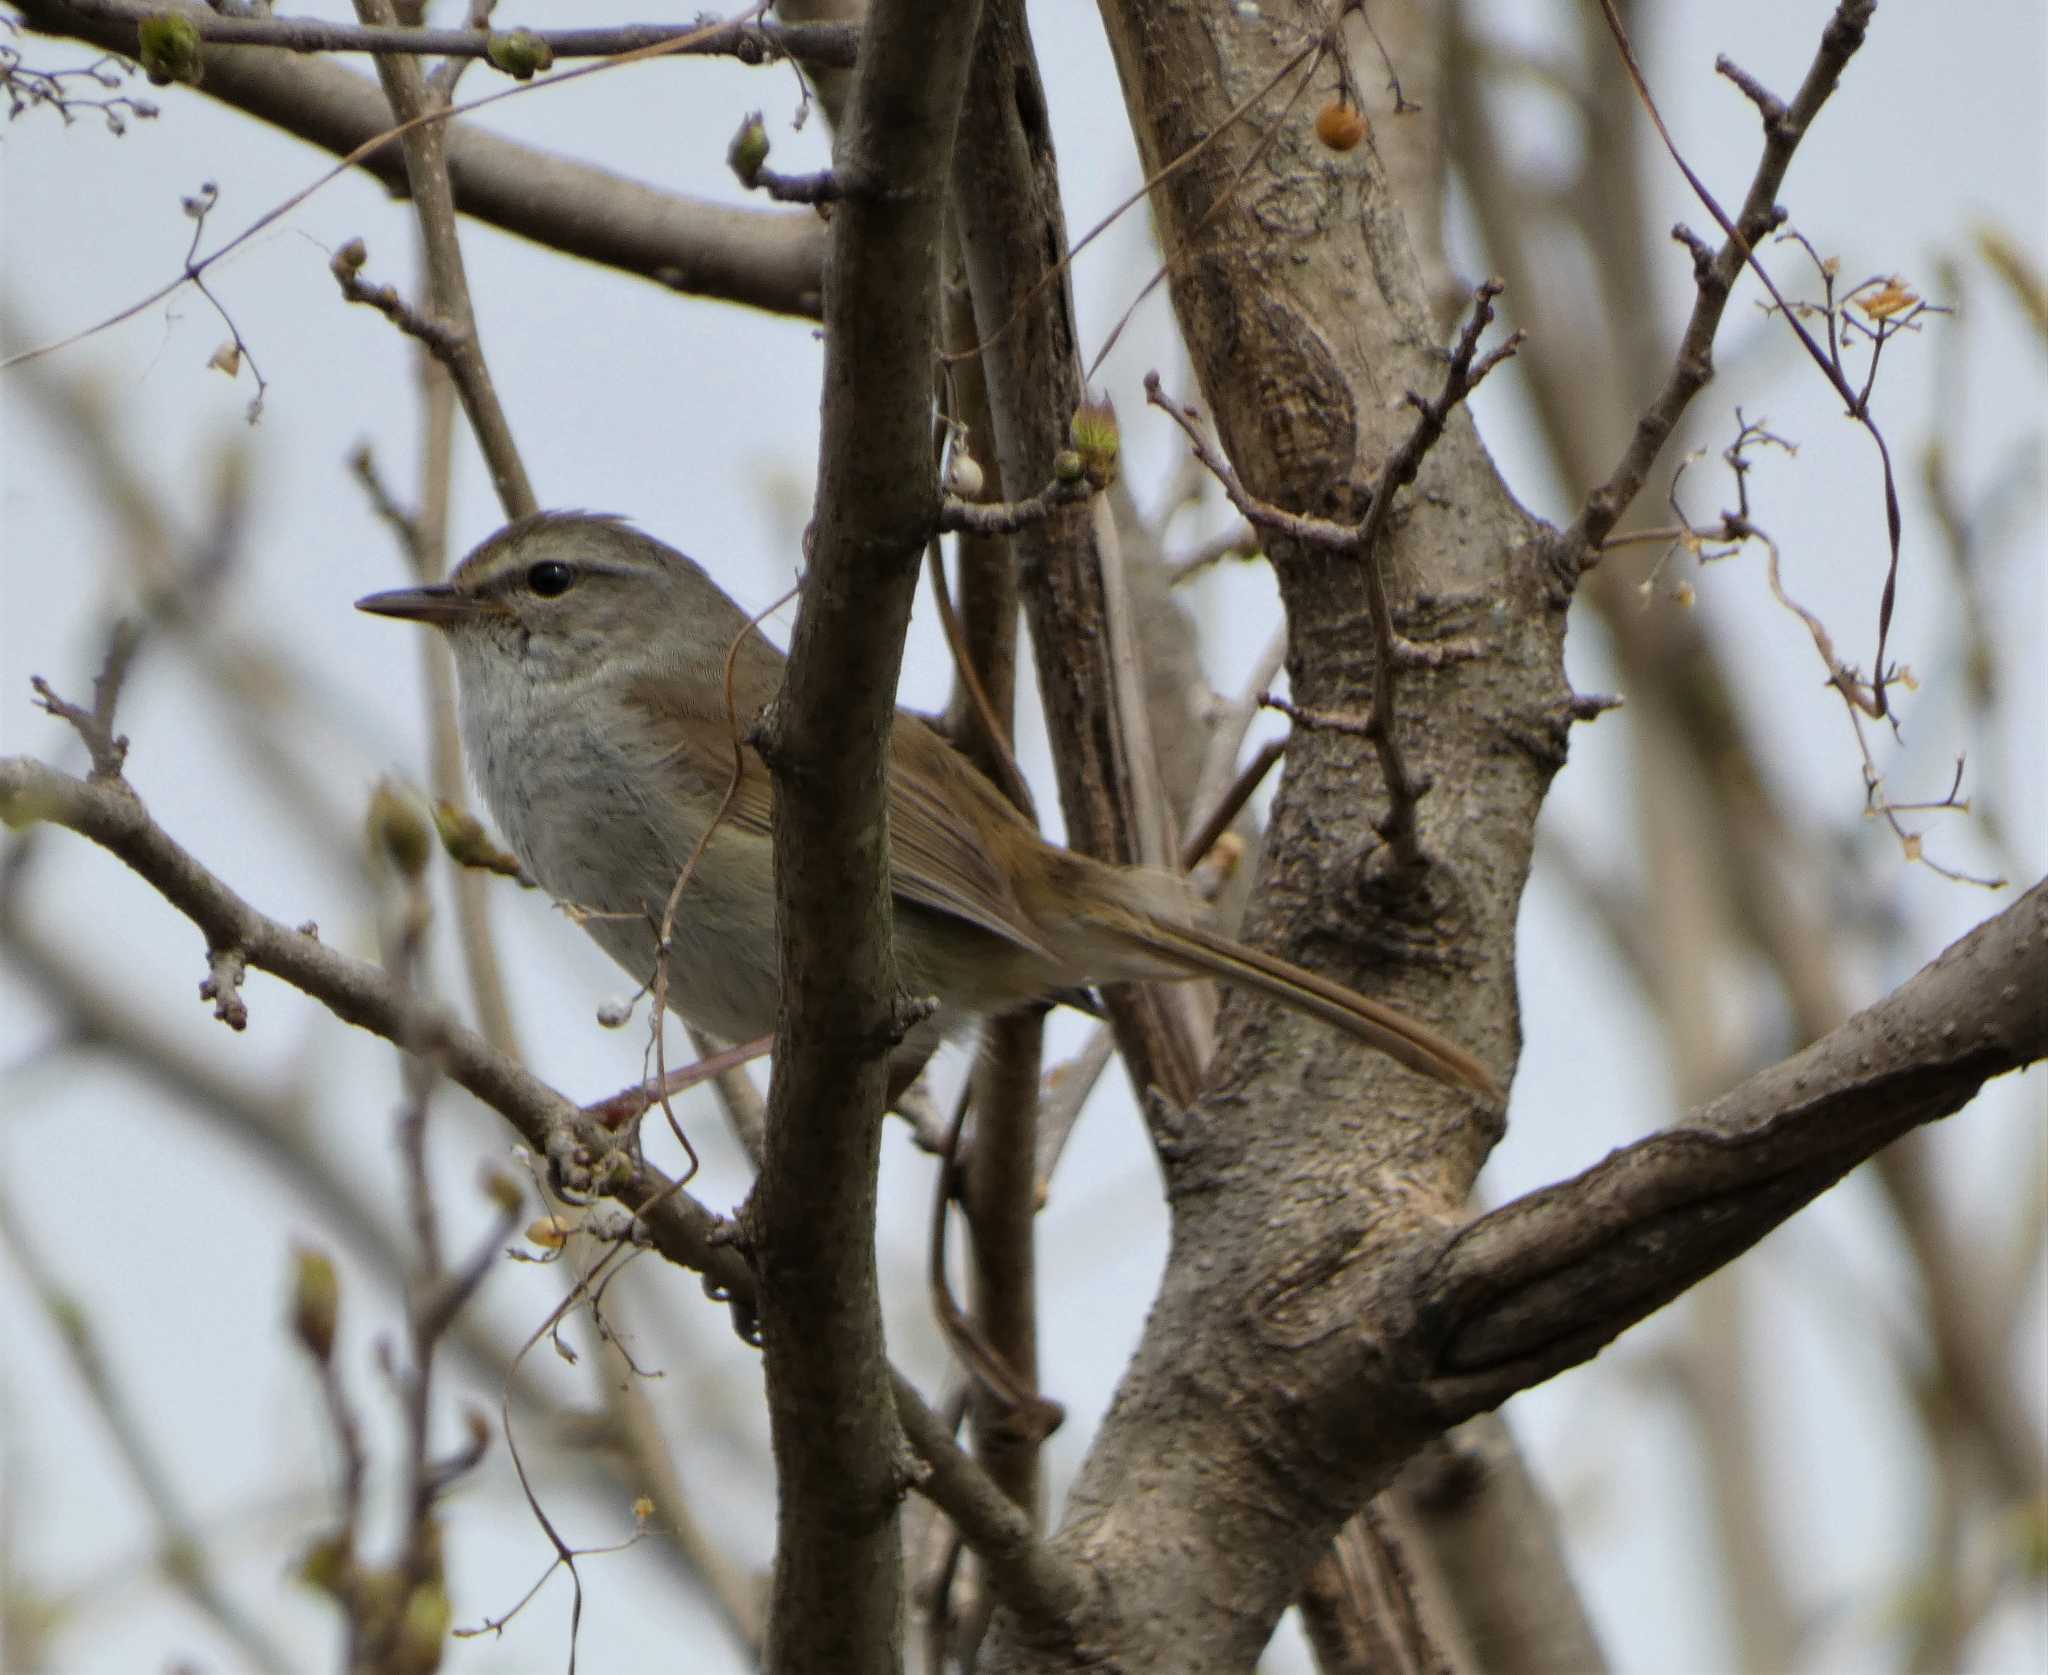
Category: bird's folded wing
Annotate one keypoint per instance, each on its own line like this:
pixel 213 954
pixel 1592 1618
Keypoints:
pixel 939 807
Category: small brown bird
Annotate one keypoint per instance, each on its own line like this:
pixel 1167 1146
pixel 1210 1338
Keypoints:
pixel 592 666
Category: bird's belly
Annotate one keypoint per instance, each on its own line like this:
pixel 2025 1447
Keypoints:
pixel 591 841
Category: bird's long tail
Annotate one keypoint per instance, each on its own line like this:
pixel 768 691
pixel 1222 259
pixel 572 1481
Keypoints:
pixel 1198 952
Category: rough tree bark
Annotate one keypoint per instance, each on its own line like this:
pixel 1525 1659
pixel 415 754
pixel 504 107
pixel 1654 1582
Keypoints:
pixel 1302 1168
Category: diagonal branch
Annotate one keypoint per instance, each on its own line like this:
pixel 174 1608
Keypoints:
pixel 460 348
pixel 586 1157
pixel 354 990
pixel 1714 276
pixel 1001 1195
pixel 1544 1282
pixel 1843 36
pixel 765 259
pixel 751 40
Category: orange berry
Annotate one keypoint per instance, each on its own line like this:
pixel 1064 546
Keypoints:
pixel 1340 127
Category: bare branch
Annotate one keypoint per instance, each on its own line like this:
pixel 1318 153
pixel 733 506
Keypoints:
pixel 1495 1536
pixel 1693 365
pixel 27 87
pixel 1041 1585
pixel 108 749
pixel 1323 533
pixel 765 259
pixel 811 1220
pixel 750 40
pixel 1228 806
pixel 457 346
pixel 1010 517
pixel 437 339
pixel 585 1157
pixel 1544 1282
pixel 425 538
pixel 1012 229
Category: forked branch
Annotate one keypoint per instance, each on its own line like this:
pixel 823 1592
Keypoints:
pixel 1465 367
pixel 1784 126
pixel 1714 276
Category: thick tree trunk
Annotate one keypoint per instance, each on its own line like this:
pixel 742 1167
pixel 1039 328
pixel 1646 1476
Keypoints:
pixel 1246 1431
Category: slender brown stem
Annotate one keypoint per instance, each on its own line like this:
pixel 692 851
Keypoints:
pixel 426 166
pixel 751 40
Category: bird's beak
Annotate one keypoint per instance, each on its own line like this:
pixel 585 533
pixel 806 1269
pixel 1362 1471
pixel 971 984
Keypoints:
pixel 436 603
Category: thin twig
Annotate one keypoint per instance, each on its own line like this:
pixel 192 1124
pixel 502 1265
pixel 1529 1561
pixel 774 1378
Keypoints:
pixel 621 1108
pixel 1323 534
pixel 1736 528
pixel 443 78
pixel 107 749
pixel 404 525
pixel 1138 194
pixel 1198 844
pixel 1227 735
pixel 1035 1416
pixel 462 835
pixel 426 166
pixel 229 358
pixel 746 1112
pixel 750 40
pixel 995 735
pixel 989 517
pixel 195 268
pixel 1784 127
pixel 434 336
pixel 1316 51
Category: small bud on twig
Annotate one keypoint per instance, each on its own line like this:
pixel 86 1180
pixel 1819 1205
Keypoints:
pixel 1093 432
pixel 469 845
pixel 169 46
pixel 326 1566
pixel 422 1630
pixel 964 476
pixel 748 152
pixel 316 1302
pixel 550 1232
pixel 519 53
pixel 398 832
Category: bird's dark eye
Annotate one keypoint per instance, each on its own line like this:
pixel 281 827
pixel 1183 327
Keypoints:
pixel 550 578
